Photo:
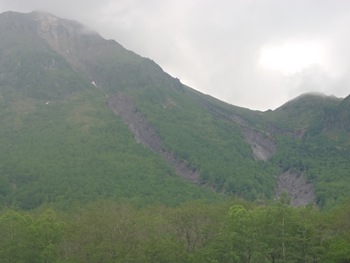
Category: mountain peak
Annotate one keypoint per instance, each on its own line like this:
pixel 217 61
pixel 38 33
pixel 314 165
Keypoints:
pixel 49 23
pixel 308 100
pixel 43 14
pixel 313 95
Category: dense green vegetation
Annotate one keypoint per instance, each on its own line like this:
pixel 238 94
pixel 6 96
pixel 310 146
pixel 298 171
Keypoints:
pixel 60 143
pixel 192 232
pixel 302 112
pixel 324 163
pixel 212 145
pixel 76 150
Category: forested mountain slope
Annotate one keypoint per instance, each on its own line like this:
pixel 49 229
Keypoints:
pixel 82 118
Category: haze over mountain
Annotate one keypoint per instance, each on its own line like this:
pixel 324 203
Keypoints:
pixel 256 54
pixel 83 118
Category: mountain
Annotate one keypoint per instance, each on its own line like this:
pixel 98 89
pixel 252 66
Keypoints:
pixel 83 118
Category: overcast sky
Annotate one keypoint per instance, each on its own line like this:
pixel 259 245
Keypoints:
pixel 252 53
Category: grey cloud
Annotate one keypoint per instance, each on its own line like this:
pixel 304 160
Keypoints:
pixel 214 46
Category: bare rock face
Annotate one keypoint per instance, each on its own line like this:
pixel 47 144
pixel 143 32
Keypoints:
pixel 58 31
pixel 70 39
pixel 263 147
pixel 144 133
pixel 262 144
pixel 296 187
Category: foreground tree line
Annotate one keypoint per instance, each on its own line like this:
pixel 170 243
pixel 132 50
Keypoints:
pixel 192 232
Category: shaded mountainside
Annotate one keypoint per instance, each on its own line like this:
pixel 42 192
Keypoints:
pixel 83 118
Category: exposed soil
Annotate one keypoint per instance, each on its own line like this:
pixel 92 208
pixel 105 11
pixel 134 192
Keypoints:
pixel 296 187
pixel 146 134
pixel 263 146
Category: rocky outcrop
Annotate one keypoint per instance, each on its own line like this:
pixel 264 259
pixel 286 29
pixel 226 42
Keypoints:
pixel 72 40
pixel 262 144
pixel 294 184
pixel 263 147
pixel 146 134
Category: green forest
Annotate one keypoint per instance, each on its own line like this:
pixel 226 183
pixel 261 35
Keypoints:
pixel 195 231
